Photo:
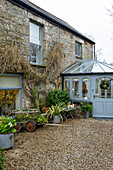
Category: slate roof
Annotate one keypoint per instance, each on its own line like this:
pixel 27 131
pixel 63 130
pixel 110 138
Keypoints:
pixel 49 17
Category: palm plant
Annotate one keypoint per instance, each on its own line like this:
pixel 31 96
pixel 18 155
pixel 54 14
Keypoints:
pixel 54 110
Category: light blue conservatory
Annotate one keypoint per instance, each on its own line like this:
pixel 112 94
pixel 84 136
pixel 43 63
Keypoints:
pixel 91 81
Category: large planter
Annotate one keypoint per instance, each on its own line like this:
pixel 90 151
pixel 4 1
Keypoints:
pixel 86 114
pixel 6 140
pixel 56 119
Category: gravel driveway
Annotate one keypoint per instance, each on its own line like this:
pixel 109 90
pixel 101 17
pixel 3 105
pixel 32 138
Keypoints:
pixel 87 144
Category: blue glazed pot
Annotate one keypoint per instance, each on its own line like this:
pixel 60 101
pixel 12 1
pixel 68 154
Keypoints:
pixel 56 119
pixel 86 114
pixel 6 140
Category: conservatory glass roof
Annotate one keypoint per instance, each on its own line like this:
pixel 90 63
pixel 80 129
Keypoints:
pixel 89 66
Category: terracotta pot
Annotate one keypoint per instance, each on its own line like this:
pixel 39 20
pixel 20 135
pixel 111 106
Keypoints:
pixel 43 108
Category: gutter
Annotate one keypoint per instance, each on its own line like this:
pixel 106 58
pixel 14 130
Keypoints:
pixel 78 74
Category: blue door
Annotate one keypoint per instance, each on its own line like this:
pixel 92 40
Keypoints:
pixel 103 96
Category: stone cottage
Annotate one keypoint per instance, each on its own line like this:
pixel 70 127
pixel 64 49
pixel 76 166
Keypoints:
pixel 35 47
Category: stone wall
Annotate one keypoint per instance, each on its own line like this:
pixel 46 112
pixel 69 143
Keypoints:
pixel 14 29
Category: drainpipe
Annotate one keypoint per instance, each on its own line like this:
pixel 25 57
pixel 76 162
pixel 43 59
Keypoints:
pixel 62 82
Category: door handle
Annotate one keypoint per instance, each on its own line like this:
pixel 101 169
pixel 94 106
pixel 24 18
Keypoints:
pixel 94 96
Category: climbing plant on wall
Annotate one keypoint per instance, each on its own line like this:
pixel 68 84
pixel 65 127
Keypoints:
pixel 11 61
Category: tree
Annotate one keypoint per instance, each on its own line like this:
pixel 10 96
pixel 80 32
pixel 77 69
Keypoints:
pixel 99 51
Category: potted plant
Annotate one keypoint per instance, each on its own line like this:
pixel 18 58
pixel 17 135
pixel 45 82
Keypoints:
pixel 7 132
pixel 86 108
pixel 42 119
pixel 54 112
pixel 84 92
pixel 42 104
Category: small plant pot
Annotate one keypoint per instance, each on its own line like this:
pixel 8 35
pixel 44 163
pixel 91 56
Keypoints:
pixel 86 114
pixel 56 119
pixel 6 140
pixel 43 108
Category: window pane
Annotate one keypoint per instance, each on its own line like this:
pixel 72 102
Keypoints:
pixel 103 90
pixel 35 53
pixel 35 44
pixel 9 81
pixel 75 88
pixel 9 100
pixel 78 49
pixel 85 88
pixel 67 84
pixel 34 33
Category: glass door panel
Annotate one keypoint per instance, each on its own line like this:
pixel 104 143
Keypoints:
pixel 75 88
pixel 85 88
pixel 67 84
pixel 104 88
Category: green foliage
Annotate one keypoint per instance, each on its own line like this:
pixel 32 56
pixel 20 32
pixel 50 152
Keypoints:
pixel 42 102
pixel 7 125
pixel 35 98
pixel 23 117
pixel 54 110
pixel 56 96
pixel 20 117
pixel 42 119
pixel 2 159
pixel 86 107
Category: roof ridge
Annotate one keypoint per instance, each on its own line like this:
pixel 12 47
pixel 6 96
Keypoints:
pixel 47 11
pixel 33 8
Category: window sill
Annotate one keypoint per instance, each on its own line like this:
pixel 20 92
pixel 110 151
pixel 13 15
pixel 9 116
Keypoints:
pixel 78 57
pixel 38 65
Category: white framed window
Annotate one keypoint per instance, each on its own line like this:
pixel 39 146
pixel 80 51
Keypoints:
pixel 35 44
pixel 78 49
pixel 10 93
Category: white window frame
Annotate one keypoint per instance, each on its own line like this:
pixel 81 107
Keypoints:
pixel 78 49
pixel 37 44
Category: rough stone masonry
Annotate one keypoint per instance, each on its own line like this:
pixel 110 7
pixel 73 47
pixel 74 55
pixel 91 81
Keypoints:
pixel 14 29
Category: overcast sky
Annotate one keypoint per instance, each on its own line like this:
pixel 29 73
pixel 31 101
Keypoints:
pixel 88 17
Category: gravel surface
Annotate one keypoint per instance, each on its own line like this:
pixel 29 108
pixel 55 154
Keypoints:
pixel 87 144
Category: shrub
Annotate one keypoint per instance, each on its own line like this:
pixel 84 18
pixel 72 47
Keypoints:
pixel 56 96
pixel 86 107
pixel 42 119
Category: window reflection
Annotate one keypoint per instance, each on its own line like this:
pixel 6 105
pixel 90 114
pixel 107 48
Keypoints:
pixel 35 53
pixel 85 88
pixel 67 84
pixel 103 91
pixel 75 88
pixel 35 43
pixel 78 49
